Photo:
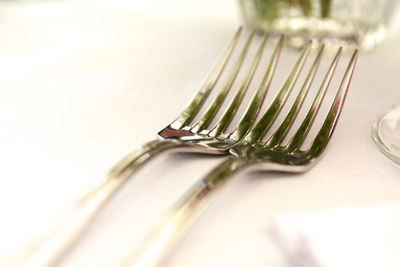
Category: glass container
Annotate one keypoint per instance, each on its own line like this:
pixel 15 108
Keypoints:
pixel 355 23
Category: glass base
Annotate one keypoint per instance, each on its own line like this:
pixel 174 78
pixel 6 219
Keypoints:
pixel 349 23
pixel 386 134
pixel 350 35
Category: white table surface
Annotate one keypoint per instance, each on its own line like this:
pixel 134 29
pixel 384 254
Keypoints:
pixel 83 83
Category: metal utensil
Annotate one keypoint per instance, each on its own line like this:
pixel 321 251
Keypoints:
pixel 183 134
pixel 254 154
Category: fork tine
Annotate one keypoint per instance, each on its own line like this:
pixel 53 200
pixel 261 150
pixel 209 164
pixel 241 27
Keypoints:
pixel 198 100
pixel 208 116
pixel 270 115
pixel 327 128
pixel 248 118
pixel 230 112
pixel 305 126
pixel 283 129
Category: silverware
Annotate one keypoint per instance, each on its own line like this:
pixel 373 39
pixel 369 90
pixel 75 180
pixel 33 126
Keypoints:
pixel 252 153
pixel 184 134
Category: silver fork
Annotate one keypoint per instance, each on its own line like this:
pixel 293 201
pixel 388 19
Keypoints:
pixel 182 134
pixel 254 154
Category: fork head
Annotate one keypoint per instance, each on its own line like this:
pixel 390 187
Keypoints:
pixel 274 154
pixel 199 133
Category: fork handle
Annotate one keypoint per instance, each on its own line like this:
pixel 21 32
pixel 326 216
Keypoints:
pixel 161 240
pixel 128 165
pixel 54 247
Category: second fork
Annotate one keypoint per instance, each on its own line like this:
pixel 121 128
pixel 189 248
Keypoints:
pixel 255 154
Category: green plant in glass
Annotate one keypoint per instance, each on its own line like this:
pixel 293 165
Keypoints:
pixel 271 9
pixel 360 23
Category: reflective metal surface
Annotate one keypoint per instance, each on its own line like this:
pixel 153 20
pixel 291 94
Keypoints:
pixel 252 153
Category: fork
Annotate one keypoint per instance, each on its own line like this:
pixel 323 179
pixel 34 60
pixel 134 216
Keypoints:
pixel 254 154
pixel 183 133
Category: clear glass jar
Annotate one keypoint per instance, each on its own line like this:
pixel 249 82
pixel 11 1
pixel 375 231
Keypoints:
pixel 359 23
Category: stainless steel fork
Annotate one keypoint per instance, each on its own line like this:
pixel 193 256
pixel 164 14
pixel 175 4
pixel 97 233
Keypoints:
pixel 182 134
pixel 254 154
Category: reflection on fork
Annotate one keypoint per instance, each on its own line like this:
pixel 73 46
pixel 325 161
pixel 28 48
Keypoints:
pixel 185 133
pixel 252 153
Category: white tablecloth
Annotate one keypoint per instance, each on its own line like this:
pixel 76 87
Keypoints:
pixel 83 83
